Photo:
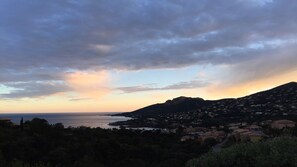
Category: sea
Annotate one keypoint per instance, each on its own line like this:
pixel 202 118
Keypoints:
pixel 92 120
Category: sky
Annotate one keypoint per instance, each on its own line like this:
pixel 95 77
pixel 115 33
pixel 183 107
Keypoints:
pixel 118 56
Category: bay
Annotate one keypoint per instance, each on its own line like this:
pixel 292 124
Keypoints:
pixel 92 120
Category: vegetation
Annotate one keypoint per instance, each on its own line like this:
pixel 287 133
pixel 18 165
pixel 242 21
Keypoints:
pixel 277 103
pixel 38 144
pixel 278 152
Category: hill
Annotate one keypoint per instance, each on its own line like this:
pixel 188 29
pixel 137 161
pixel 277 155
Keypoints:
pixel 277 102
pixel 178 104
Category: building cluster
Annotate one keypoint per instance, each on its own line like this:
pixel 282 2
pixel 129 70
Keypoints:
pixel 202 134
pixel 251 133
pixel 280 124
pixel 5 122
pixel 240 132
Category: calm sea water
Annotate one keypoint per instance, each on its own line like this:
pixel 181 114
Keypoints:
pixel 71 119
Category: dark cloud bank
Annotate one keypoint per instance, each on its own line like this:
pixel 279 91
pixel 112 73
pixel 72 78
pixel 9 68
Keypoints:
pixel 40 40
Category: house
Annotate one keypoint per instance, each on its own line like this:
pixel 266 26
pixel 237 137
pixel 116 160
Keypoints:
pixel 252 134
pixel 185 138
pixel 5 122
pixel 280 124
pixel 254 127
pixel 256 137
pixel 195 129
pixel 217 135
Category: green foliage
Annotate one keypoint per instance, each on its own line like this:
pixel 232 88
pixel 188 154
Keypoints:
pixel 38 125
pixel 131 163
pixel 210 141
pixel 87 162
pixel 18 163
pixel 39 144
pixel 171 163
pixel 2 160
pixel 279 152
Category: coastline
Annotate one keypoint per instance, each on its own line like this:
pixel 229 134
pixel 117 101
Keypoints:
pixel 92 120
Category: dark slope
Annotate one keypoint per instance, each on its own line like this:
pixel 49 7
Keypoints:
pixel 179 104
pixel 280 99
pixel 283 93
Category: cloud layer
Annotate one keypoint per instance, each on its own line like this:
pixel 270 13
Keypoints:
pixel 182 85
pixel 43 40
pixel 34 89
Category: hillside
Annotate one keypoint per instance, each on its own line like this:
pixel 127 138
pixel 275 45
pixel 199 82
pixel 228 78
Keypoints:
pixel 178 104
pixel 277 102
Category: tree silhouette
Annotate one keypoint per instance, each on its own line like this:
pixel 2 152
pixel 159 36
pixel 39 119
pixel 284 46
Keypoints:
pixel 22 123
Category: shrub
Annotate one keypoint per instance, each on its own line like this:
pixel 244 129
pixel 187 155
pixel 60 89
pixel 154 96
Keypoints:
pixel 279 152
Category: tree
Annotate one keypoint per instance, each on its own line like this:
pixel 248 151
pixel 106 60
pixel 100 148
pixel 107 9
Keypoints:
pixel 279 152
pixel 2 160
pixel 38 125
pixel 22 123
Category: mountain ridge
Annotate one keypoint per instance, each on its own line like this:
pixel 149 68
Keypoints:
pixel 278 95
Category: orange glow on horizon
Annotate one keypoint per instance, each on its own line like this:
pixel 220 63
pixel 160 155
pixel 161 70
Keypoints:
pixel 243 89
pixel 102 99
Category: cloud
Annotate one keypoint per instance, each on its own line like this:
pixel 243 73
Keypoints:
pixel 280 61
pixel 91 84
pixel 81 85
pixel 43 41
pixel 178 86
pixel 142 34
pixel 30 75
pixel 80 99
pixel 34 89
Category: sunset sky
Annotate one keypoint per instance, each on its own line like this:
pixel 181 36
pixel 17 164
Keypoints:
pixel 120 55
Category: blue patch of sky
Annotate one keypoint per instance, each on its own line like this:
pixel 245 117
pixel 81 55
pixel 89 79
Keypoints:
pixel 6 90
pixel 161 77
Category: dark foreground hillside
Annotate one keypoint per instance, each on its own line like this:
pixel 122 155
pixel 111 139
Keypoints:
pixel 39 144
pixel 279 152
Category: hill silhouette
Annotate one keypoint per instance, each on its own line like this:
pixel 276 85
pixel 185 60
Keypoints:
pixel 276 102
